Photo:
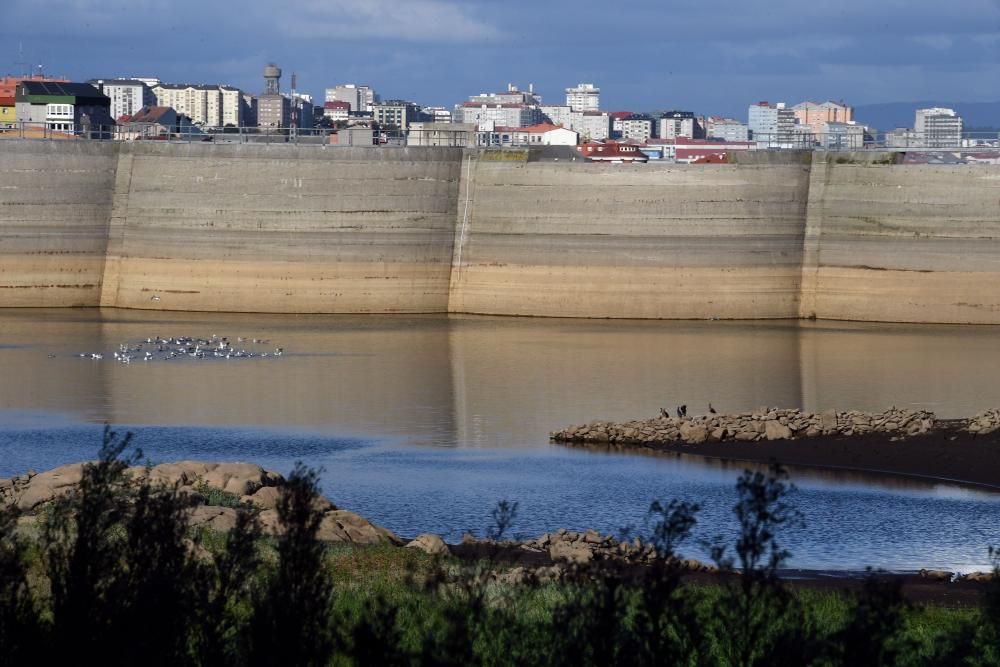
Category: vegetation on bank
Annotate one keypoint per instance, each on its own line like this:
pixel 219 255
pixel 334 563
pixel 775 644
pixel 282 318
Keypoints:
pixel 113 573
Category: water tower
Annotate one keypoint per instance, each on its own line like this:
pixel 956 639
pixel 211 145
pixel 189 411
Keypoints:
pixel 272 74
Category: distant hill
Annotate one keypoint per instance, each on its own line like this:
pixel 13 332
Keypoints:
pixel 900 114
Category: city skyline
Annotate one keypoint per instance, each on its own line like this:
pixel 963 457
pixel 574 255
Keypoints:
pixel 715 60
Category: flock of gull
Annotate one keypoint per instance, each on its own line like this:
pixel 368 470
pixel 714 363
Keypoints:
pixel 164 349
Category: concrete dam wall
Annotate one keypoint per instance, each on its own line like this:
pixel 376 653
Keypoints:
pixel 55 209
pixel 903 243
pixel 649 241
pixel 274 228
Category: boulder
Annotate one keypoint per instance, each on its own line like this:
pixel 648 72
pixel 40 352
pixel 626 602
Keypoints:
pixel 265 498
pixel 243 479
pixel 222 519
pixel 693 433
pixel 828 421
pixel 48 486
pixel 430 544
pixel 357 529
pixel 571 552
pixel 776 431
pixel 182 473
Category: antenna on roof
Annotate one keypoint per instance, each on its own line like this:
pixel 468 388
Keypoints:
pixel 22 65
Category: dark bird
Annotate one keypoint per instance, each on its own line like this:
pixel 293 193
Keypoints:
pixel 711 409
pixel 684 411
pixel 663 413
pixel 680 413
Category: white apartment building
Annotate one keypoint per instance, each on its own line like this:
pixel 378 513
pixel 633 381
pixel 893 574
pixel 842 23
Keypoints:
pixel 593 126
pixel 675 124
pixel 773 125
pixel 192 101
pixel 590 125
pixel 233 111
pixel 637 128
pixel 938 127
pixel 488 116
pixel 205 105
pixel 128 96
pixel 727 129
pixel 558 114
pixel 584 97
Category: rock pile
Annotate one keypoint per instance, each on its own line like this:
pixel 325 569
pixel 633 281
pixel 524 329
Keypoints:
pixel 203 482
pixel 581 548
pixel 984 423
pixel 761 424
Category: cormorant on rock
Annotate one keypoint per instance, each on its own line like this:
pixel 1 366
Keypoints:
pixel 711 410
pixel 684 411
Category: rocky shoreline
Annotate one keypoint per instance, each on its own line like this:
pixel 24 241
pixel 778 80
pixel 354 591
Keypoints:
pixel 216 491
pixel 765 424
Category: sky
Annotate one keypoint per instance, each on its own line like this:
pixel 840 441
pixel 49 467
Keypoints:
pixel 708 57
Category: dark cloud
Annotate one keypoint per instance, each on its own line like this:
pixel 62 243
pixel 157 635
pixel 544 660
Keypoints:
pixel 645 54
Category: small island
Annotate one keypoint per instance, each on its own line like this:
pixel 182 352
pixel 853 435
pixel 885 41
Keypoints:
pixel 911 443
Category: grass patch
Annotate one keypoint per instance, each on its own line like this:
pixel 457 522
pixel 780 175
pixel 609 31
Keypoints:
pixel 217 497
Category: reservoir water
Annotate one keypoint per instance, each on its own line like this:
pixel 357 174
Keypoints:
pixel 421 423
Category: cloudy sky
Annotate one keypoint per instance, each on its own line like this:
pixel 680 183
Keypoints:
pixel 711 57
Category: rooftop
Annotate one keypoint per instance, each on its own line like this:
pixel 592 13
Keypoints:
pixel 149 115
pixel 540 128
pixel 57 89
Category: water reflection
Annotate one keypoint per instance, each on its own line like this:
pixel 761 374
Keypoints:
pixel 828 477
pixel 479 381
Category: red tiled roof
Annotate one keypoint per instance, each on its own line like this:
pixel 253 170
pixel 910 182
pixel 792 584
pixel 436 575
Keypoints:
pixel 150 114
pixel 6 101
pixel 336 104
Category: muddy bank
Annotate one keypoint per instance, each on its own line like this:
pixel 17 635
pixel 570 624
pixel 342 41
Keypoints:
pixel 946 454
pixel 568 556
pixel 897 443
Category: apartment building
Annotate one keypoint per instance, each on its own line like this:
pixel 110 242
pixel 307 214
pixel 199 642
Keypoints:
pixel 815 114
pixel 128 96
pixel 361 98
pixel 673 124
pixel 938 127
pixel 637 128
pixel 584 97
pixel 727 129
